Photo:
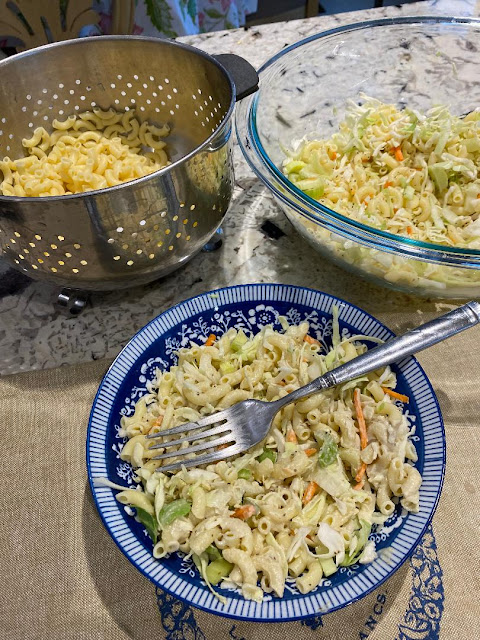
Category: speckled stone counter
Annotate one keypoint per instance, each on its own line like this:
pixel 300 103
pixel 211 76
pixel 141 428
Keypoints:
pixel 259 246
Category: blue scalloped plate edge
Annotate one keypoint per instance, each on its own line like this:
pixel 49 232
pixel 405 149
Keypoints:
pixel 217 610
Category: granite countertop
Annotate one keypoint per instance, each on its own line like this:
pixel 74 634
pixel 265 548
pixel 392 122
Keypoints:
pixel 260 244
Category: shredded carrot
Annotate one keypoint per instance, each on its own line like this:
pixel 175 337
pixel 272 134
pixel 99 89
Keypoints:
pixel 291 436
pixel 362 427
pixel 360 476
pixel 409 230
pixel 310 452
pixel 158 421
pixel 223 446
pixel 310 491
pixel 210 340
pixel 398 154
pixel 311 340
pixel 388 184
pixel 332 154
pixel 245 512
pixel 396 395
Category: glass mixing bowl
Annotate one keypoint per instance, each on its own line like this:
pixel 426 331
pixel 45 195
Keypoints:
pixel 414 61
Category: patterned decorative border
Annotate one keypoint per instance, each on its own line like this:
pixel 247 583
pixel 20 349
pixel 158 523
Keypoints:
pixel 429 425
pixel 425 607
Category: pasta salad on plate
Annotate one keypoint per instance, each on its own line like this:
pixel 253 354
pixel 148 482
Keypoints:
pixel 300 505
pixel 305 513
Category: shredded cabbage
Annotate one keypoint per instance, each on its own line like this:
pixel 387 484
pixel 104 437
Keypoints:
pixel 412 174
pixel 396 170
pixel 201 563
pixel 333 541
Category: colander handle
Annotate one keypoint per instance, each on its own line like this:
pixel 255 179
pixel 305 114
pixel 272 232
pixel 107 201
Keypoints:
pixel 243 74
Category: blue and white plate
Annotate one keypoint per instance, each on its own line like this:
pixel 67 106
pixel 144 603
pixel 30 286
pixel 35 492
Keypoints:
pixel 249 307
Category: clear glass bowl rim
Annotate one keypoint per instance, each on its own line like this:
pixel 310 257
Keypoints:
pixel 316 212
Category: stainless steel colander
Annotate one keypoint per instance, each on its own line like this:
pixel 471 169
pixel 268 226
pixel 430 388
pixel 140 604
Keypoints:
pixel 140 230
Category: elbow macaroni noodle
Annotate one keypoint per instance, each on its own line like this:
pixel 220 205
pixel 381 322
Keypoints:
pixel 284 535
pixel 92 150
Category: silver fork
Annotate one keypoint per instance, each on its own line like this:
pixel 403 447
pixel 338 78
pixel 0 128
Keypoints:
pixel 247 423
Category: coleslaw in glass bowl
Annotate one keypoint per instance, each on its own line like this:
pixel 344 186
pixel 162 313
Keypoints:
pixel 330 102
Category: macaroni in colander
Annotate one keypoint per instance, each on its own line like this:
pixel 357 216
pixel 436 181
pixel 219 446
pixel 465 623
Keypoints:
pixel 92 150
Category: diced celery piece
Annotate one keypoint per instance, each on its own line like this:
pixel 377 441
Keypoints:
pixel 213 553
pixel 328 451
pixel 227 367
pixel 316 194
pixel 245 474
pixel 218 570
pixel 267 453
pixel 248 351
pixel 291 447
pixel 172 511
pixel 293 166
pixel 439 176
pixel 328 567
pixel 239 340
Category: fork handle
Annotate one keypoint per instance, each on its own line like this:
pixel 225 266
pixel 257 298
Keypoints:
pixel 393 350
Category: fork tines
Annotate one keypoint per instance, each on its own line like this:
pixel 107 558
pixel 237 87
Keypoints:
pixel 194 432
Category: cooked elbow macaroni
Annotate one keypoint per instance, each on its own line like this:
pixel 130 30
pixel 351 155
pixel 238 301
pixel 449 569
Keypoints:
pixel 290 507
pixel 92 150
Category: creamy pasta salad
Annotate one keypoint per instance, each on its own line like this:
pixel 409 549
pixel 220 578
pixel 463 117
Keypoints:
pixel 92 150
pixel 302 503
pixel 409 173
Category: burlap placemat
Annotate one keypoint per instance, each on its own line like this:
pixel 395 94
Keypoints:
pixel 63 577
